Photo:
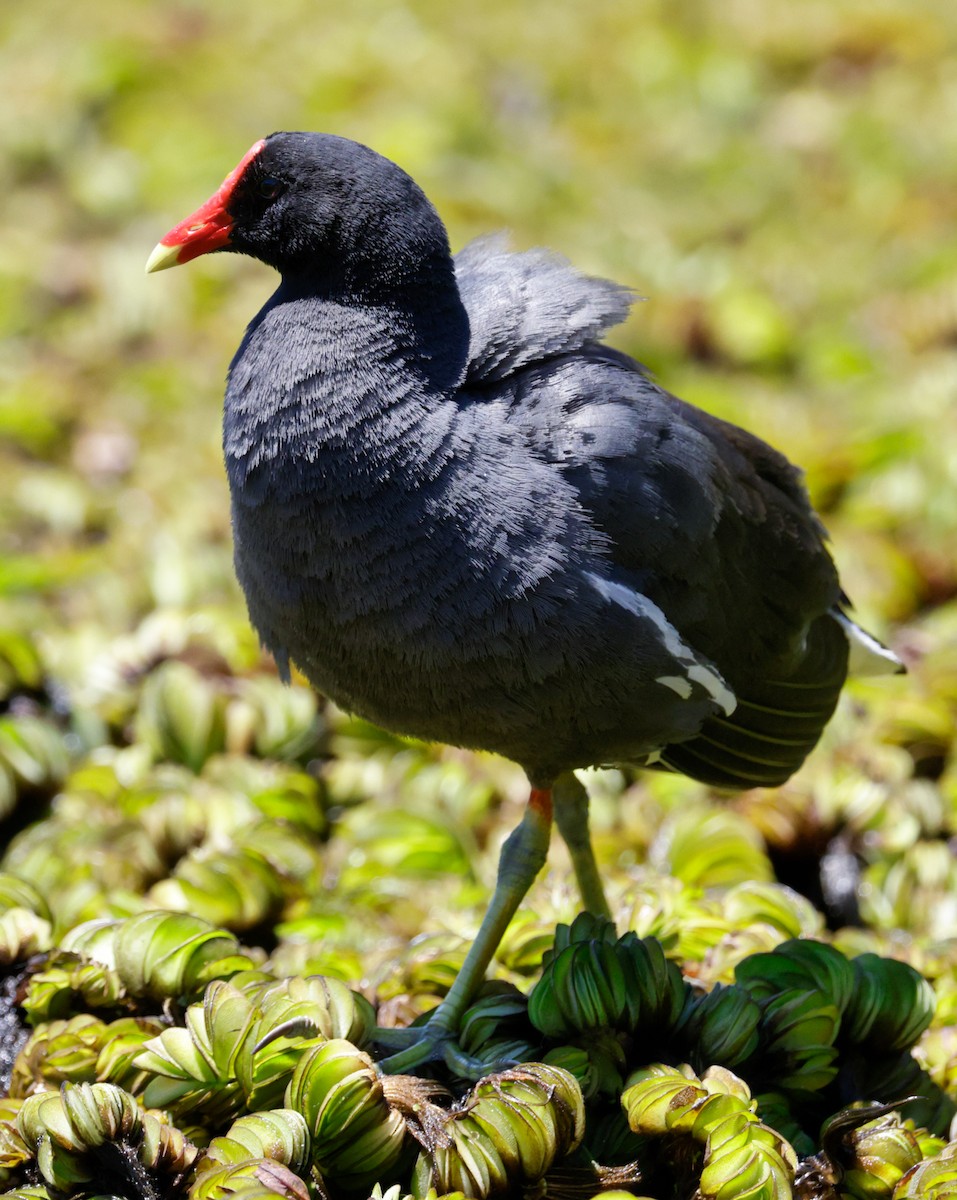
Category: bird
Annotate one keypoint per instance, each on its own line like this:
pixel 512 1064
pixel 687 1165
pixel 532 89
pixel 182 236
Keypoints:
pixel 469 520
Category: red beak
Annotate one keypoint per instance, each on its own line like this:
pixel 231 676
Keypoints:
pixel 209 228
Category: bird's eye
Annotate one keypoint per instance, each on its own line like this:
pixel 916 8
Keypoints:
pixel 269 187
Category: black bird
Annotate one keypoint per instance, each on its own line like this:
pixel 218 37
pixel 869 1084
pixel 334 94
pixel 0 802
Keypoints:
pixel 467 519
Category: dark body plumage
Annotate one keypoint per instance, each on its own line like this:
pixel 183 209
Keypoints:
pixel 468 520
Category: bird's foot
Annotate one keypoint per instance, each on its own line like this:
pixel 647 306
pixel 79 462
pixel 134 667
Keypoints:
pixel 522 857
pixel 433 1042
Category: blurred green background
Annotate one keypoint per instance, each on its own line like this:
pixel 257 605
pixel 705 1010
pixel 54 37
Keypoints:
pixel 779 180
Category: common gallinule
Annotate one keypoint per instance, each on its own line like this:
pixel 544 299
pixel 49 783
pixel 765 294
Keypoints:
pixel 468 520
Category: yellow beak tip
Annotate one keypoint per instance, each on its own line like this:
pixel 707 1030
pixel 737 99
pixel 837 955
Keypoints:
pixel 162 257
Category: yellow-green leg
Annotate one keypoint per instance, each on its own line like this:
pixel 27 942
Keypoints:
pixel 523 856
pixel 571 817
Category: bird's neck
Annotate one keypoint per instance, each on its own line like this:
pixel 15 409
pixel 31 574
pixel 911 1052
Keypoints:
pixel 400 302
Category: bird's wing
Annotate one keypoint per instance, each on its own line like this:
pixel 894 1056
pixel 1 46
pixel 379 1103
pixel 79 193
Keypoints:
pixel 705 520
pixel 529 307
pixel 715 527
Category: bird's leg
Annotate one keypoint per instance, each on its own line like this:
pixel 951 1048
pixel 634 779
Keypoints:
pixel 523 856
pixel 571 817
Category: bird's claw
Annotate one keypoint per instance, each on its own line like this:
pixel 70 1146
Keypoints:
pixel 430 1043
pixel 419 1044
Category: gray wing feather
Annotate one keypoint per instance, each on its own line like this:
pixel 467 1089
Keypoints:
pixel 529 306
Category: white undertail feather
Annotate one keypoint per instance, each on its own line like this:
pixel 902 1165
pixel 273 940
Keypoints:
pixel 684 656
pixel 867 655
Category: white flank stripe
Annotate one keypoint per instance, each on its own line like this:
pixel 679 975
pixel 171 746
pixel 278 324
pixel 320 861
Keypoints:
pixel 867 655
pixel 677 683
pixel 683 655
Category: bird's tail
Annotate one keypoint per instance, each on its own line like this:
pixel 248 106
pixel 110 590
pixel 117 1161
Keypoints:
pixel 776 724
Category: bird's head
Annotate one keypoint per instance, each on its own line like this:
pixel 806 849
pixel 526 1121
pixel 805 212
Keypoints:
pixel 316 207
